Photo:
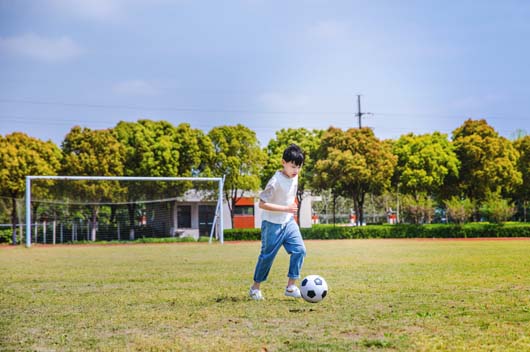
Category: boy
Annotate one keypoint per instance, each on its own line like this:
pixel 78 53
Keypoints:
pixel 278 227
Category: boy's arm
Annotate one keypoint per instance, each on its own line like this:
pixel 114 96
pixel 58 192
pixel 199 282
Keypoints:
pixel 293 208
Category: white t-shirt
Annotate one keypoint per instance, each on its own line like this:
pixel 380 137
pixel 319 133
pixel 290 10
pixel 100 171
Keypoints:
pixel 280 190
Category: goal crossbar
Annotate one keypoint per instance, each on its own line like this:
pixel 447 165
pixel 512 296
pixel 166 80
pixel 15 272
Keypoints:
pixel 219 207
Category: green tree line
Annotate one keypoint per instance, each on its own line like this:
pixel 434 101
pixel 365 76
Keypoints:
pixel 474 173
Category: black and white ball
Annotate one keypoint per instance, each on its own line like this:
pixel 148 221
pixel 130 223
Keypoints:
pixel 313 288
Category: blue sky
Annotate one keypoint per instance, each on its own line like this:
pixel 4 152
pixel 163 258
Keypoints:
pixel 421 66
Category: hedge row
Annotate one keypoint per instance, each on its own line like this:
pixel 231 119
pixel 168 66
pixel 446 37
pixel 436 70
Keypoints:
pixel 325 232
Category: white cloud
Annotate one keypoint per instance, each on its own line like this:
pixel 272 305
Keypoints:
pixel 41 48
pixel 135 87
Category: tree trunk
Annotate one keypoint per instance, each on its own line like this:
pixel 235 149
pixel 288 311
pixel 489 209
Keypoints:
pixel 34 208
pixel 112 213
pixel 231 208
pixel 359 208
pixel 363 198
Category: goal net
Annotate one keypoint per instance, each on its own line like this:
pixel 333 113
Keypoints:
pixel 61 209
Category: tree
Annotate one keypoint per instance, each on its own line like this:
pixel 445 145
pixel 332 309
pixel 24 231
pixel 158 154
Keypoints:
pixel 488 161
pixel 196 151
pixel 239 158
pixel 326 177
pixel 150 152
pixel 424 163
pixel 459 210
pixel 523 192
pixel 158 149
pixel 496 209
pixel 354 163
pixel 308 141
pixel 418 209
pixel 21 156
pixel 93 153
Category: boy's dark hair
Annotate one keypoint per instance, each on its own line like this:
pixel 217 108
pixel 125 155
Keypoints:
pixel 295 154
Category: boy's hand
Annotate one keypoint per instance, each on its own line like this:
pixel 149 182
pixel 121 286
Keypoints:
pixel 293 208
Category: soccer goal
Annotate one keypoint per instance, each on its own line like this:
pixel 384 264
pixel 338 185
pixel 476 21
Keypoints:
pixel 61 209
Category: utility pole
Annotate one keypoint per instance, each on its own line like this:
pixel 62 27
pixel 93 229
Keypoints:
pixel 359 113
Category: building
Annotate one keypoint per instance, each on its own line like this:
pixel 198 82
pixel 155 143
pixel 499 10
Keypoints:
pixel 248 213
pixel 193 215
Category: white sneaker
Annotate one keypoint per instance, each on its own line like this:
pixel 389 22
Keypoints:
pixel 255 294
pixel 292 291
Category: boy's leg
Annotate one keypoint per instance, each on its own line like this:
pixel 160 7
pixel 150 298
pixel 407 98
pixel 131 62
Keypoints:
pixel 271 241
pixel 294 245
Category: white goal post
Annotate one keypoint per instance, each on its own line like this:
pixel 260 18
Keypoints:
pixel 218 219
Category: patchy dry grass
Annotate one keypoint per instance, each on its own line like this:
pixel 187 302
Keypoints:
pixel 393 295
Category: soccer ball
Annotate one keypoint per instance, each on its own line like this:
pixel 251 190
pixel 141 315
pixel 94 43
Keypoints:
pixel 313 288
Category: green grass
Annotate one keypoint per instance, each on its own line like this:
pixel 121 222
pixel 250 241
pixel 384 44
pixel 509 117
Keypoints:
pixel 385 295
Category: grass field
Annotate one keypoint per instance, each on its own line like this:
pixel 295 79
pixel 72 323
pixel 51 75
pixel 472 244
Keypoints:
pixel 391 295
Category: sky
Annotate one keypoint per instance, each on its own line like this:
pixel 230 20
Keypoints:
pixel 419 66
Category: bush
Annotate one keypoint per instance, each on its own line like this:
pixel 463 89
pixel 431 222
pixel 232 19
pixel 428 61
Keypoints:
pixel 6 235
pixel 328 232
pixel 497 209
pixel 242 234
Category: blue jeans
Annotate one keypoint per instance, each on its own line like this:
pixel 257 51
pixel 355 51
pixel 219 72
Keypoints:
pixel 273 236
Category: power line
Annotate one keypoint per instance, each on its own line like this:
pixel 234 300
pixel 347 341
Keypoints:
pixel 503 116
pixel 196 124
pixel 179 109
pixel 446 116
